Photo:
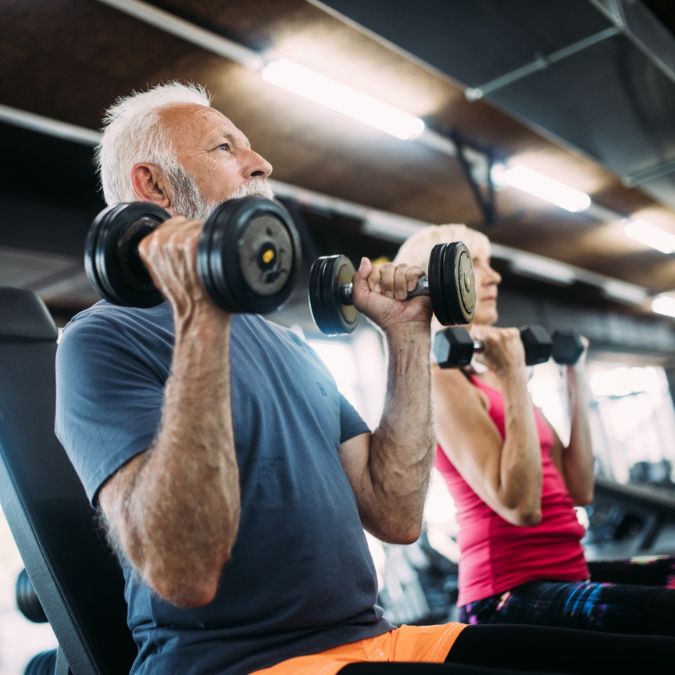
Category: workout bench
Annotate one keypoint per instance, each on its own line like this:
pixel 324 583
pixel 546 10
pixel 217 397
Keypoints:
pixel 73 571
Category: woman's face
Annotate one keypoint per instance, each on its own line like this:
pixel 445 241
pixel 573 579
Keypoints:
pixel 487 281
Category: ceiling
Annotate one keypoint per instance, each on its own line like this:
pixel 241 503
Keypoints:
pixel 581 90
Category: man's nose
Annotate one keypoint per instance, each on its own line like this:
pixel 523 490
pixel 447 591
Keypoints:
pixel 256 166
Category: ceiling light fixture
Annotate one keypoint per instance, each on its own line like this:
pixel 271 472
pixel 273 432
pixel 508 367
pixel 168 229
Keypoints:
pixel 651 235
pixel 664 304
pixel 534 183
pixel 622 291
pixel 332 94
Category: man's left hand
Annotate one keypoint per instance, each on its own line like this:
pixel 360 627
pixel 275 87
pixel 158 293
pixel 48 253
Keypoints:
pixel 380 292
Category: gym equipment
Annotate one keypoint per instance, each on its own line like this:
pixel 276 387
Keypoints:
pixel 76 579
pixel 248 254
pixel 449 283
pixel 567 347
pixel 454 347
pixel 27 601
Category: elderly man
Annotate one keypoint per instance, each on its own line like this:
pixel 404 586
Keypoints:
pixel 233 477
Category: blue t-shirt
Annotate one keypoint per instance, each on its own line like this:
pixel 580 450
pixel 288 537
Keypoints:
pixel 301 578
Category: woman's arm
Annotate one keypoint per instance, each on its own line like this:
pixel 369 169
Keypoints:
pixel 506 475
pixel 576 461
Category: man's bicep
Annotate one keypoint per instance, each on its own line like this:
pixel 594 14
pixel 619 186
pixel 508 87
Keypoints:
pixel 354 457
pixel 112 501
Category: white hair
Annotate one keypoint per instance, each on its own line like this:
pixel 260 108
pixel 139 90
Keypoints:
pixel 417 248
pixel 133 133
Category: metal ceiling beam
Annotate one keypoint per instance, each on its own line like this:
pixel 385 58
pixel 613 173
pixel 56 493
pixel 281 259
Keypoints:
pixel 648 174
pixel 542 62
pixel 189 32
pixel 46 125
pixel 644 30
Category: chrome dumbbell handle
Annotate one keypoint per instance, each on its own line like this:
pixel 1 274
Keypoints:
pixel 345 291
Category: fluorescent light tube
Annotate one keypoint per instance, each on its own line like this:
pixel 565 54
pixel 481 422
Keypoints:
pixel 344 99
pixel 664 304
pixel 624 292
pixel 535 183
pixel 649 234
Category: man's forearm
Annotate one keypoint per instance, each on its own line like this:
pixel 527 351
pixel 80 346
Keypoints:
pixel 182 511
pixel 402 447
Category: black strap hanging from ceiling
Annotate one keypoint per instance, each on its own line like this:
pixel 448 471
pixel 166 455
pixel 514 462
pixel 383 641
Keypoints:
pixel 483 191
pixel 476 161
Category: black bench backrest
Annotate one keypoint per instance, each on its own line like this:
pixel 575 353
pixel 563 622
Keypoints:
pixel 74 573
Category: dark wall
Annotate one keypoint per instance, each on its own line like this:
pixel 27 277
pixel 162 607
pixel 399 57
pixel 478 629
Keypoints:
pixel 48 191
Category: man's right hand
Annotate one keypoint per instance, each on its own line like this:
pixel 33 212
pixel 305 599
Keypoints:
pixel 170 256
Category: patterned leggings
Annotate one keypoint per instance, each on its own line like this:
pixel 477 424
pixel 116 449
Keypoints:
pixel 626 596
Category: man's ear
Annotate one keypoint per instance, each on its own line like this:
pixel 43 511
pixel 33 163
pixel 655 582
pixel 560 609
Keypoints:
pixel 150 184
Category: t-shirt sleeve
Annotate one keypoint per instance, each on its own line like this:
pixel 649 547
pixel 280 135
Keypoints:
pixel 108 400
pixel 351 423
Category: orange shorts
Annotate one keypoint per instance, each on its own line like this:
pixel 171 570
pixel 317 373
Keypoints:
pixel 422 644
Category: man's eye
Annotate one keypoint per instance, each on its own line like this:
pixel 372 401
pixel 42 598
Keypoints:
pixel 224 146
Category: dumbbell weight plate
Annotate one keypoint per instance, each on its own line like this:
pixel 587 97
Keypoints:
pixel 27 600
pixel 451 283
pixel 249 255
pixel 330 314
pixel 111 259
pixel 567 347
pixel 537 344
pixel 453 347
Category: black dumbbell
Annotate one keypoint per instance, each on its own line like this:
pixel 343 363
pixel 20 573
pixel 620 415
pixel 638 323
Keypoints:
pixel 27 600
pixel 454 347
pixel 450 283
pixel 248 254
pixel 567 347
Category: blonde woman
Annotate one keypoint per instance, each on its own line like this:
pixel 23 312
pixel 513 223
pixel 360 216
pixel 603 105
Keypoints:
pixel 515 484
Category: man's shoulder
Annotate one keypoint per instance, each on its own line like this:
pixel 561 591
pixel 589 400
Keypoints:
pixel 104 316
pixel 277 340
pixel 267 329
pixel 104 331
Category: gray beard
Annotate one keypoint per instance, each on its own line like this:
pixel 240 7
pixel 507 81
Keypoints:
pixel 188 202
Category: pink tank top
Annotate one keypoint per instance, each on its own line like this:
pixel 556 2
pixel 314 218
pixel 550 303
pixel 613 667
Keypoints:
pixel 495 555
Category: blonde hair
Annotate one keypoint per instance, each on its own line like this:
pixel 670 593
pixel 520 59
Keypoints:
pixel 416 249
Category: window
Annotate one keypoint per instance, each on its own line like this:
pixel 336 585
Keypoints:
pixel 631 417
pixel 633 422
